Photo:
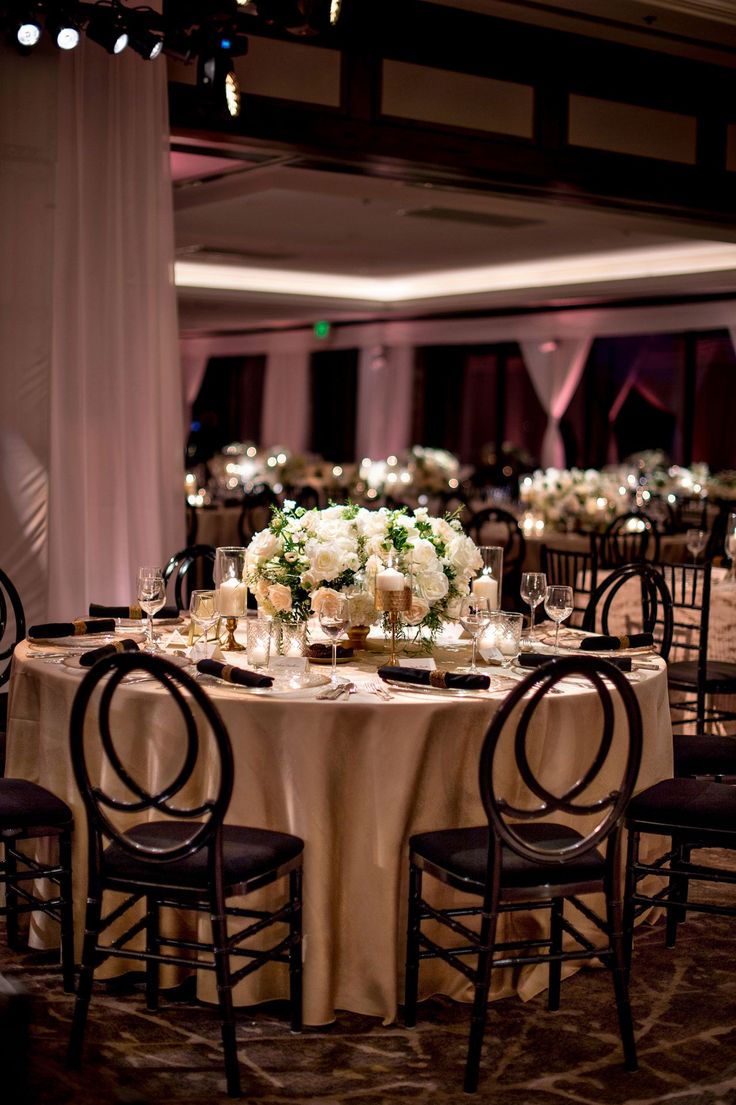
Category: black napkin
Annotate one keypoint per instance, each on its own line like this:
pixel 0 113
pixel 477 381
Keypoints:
pixel 77 628
pixel 636 640
pixel 99 610
pixel 234 675
pixel 87 659
pixel 536 659
pixel 437 678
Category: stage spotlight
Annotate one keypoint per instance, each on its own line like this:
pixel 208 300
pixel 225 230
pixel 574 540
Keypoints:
pixel 28 28
pixel 145 43
pixel 63 30
pixel 106 29
pixel 218 83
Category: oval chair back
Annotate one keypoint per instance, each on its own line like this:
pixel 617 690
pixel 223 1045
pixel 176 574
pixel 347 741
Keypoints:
pixel 653 602
pixel 190 568
pixel 12 624
pixel 630 537
pixel 111 788
pixel 598 793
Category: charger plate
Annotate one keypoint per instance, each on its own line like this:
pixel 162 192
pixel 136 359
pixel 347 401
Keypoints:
pixel 74 662
pixel 308 682
pixel 85 640
pixel 442 692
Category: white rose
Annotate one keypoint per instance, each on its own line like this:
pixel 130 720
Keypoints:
pixel 280 597
pixel 326 601
pixel 417 611
pixel 264 545
pixel 433 585
pixel 327 562
pixel 423 554
pixel 371 523
pixel 463 554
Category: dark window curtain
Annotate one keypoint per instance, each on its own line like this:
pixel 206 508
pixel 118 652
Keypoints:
pixel 438 397
pixel 714 440
pixel 228 407
pixel 333 391
pixel 526 420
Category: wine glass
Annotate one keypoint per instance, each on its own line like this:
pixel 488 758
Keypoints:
pixel 151 594
pixel 695 541
pixel 729 545
pixel 334 618
pixel 533 589
pixel 203 610
pixel 474 615
pixel 558 604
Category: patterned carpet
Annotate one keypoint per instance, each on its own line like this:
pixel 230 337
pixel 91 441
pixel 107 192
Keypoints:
pixel 684 1006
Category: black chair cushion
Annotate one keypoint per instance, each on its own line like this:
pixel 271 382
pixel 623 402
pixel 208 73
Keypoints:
pixel 24 805
pixel 246 854
pixel 699 806
pixel 704 754
pixel 463 853
pixel 720 675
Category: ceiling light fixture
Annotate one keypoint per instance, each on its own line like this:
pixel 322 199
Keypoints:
pixel 28 28
pixel 64 30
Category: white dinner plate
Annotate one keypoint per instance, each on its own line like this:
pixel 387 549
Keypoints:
pixel 85 640
pixel 281 690
pixel 73 661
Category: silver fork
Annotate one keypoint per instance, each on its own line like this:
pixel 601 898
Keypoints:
pixel 380 690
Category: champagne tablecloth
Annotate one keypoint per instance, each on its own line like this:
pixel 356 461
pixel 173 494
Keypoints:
pixel 354 779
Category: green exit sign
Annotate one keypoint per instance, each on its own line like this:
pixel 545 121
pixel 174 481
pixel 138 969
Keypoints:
pixel 322 329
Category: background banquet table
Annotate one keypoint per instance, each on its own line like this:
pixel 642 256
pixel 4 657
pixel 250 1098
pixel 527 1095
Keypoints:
pixel 354 779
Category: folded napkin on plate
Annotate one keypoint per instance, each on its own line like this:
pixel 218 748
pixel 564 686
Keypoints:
pixel 435 677
pixel 87 659
pixel 536 659
pixel 234 675
pixel 99 610
pixel 635 640
pixel 78 628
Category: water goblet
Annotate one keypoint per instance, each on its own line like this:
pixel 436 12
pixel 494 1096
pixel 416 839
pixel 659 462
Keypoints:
pixel 558 604
pixel 334 618
pixel 203 610
pixel 151 595
pixel 533 589
pixel 695 542
pixel 474 615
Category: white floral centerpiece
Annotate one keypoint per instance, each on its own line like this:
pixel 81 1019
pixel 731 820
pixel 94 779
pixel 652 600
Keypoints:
pixel 586 498
pixel 304 557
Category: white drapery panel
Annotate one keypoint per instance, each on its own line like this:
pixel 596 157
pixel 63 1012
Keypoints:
pixel 286 402
pixel 95 432
pixel 385 375
pixel 555 368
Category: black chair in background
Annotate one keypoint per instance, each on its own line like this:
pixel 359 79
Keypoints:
pixel 525 860
pixel 494 526
pixel 694 813
pixel 190 568
pixel 186 859
pixel 654 613
pixel 628 538
pixel 255 513
pixel 572 568
pixel 12 630
pixel 697 676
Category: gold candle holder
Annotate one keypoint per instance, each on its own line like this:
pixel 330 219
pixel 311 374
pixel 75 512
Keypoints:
pixel 394 604
pixel 231 645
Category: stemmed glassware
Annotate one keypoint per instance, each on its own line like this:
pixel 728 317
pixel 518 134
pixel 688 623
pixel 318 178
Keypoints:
pixel 695 542
pixel 558 604
pixel 474 615
pixel 533 589
pixel 151 595
pixel 203 610
pixel 729 546
pixel 334 618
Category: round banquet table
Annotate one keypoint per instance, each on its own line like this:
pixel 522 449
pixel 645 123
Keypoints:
pixel 354 779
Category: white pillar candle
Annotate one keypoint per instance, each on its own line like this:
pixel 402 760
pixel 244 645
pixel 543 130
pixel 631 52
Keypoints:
pixel 294 648
pixel 486 588
pixel 232 598
pixel 390 580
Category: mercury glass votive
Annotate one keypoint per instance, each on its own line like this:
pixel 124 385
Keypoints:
pixel 258 638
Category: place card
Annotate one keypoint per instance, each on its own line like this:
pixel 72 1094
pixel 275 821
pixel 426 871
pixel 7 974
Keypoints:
pixel 426 663
pixel 205 650
pixel 289 664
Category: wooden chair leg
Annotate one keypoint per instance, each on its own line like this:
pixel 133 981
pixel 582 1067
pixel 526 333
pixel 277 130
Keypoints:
pixel 411 982
pixel 620 982
pixel 632 857
pixel 480 1002
pixel 295 950
pixel 11 899
pixel 678 891
pixel 555 948
pixel 225 996
pixel 66 912
pixel 86 978
pixel 152 947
